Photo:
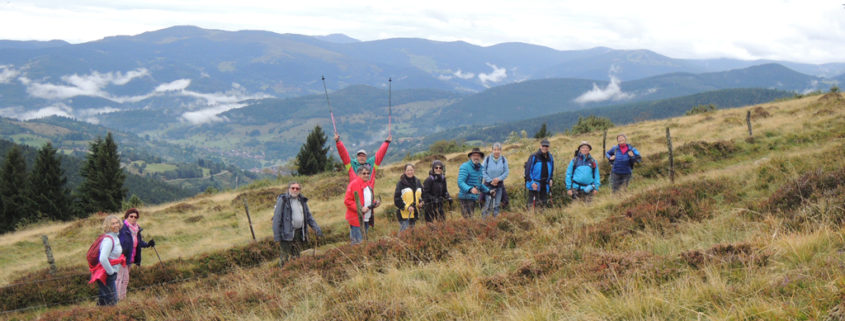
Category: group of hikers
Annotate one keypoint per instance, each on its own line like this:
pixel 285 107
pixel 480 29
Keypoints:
pixel 480 178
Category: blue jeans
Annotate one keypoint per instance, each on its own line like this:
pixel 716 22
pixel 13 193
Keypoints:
pixel 493 202
pixel 405 224
pixel 355 235
pixel 107 293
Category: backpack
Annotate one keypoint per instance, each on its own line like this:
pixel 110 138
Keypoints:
pixel 634 160
pixel 93 254
pixel 592 163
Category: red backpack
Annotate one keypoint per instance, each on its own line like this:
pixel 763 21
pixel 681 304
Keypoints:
pixel 93 254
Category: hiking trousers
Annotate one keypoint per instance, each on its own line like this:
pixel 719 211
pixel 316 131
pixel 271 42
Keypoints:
pixel 617 181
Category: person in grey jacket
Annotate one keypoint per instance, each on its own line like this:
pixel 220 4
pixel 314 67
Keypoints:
pixel 110 249
pixel 290 217
pixel 494 169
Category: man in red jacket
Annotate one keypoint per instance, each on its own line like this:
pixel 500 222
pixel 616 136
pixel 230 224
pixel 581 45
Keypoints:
pixel 352 165
pixel 362 183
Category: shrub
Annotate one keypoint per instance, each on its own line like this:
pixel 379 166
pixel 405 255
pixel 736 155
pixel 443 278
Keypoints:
pixel 700 109
pixel 791 200
pixel 738 255
pixel 589 124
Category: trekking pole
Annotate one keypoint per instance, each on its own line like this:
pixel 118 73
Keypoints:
pixel 360 215
pixel 316 243
pixel 159 257
pixel 326 90
pixel 389 103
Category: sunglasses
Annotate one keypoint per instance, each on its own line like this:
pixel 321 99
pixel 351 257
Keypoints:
pixel 438 167
pixel 133 216
pixel 294 188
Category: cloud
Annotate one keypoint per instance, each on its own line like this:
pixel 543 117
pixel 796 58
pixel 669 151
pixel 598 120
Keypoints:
pixel 176 85
pixel 19 112
pixel 209 115
pixel 497 75
pixel 7 73
pixel 84 85
pixel 612 92
pixel 464 75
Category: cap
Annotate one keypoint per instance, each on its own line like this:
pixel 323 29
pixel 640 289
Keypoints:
pixel 476 150
pixel 361 151
pixel 545 142
pixel 584 142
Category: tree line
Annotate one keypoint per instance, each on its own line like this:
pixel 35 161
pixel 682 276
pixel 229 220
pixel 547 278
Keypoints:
pixel 42 193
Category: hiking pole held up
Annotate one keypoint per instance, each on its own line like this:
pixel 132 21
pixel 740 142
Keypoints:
pixel 326 90
pixel 389 103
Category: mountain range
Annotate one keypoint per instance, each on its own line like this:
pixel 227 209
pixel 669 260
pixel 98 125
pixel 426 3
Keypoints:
pixel 251 96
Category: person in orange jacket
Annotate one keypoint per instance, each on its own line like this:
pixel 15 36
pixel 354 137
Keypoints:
pixel 363 183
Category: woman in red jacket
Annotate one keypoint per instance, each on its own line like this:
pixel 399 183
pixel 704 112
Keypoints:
pixel 362 183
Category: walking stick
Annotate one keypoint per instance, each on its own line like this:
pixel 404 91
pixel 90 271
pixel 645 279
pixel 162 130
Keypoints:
pixel 389 103
pixel 316 243
pixel 329 103
pixel 159 257
pixel 360 215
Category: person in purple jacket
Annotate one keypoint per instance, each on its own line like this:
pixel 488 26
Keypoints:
pixel 132 242
pixel 622 157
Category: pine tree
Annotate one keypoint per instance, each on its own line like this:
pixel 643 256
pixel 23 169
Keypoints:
pixel 542 133
pixel 102 186
pixel 14 190
pixel 312 158
pixel 49 191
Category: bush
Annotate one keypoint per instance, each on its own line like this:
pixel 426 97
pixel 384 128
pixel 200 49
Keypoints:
pixel 700 109
pixel 589 124
pixel 803 200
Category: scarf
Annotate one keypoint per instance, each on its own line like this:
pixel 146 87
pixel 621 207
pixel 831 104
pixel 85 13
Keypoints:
pixel 623 148
pixel 134 228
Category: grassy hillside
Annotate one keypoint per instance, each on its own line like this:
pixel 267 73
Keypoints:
pixel 751 229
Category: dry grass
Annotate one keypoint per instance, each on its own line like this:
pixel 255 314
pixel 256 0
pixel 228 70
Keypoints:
pixel 735 260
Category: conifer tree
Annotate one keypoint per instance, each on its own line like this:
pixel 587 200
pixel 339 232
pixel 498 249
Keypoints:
pixel 14 190
pixel 542 133
pixel 312 158
pixel 102 186
pixel 49 191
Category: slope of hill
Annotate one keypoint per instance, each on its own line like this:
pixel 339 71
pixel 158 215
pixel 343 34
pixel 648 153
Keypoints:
pixel 750 228
pixel 618 114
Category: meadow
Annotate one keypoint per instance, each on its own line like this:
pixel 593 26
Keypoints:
pixel 750 229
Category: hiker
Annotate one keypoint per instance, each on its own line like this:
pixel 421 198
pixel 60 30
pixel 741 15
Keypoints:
pixel 435 192
pixel 469 183
pixel 362 183
pixel 131 241
pixel 494 169
pixel 352 165
pixel 406 197
pixel 539 170
pixel 110 260
pixel 622 158
pixel 582 174
pixel 291 217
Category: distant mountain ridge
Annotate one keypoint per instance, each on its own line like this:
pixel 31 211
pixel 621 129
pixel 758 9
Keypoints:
pixel 185 68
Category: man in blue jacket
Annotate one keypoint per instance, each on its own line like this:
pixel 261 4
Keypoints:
pixel 539 170
pixel 470 183
pixel 582 174
pixel 623 157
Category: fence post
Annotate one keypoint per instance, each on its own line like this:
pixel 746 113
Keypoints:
pixel 671 157
pixel 49 252
pixel 748 121
pixel 246 207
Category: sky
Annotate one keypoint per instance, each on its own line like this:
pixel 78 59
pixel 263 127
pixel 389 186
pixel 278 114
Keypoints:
pixel 809 31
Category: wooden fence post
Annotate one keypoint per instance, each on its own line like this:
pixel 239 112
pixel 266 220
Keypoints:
pixel 671 157
pixel 246 207
pixel 49 252
pixel 748 121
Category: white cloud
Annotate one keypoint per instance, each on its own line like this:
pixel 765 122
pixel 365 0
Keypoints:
pixel 176 85
pixel 497 75
pixel 612 92
pixel 19 112
pixel 464 75
pixel 84 85
pixel 8 73
pixel 209 115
